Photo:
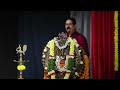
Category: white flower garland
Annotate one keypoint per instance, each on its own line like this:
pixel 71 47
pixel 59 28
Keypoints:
pixel 57 62
pixel 64 46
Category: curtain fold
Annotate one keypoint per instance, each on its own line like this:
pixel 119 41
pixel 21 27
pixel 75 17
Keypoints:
pixel 103 45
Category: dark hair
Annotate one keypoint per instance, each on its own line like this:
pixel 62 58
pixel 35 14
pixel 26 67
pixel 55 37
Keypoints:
pixel 72 19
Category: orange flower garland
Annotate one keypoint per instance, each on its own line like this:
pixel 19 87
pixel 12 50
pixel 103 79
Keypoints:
pixel 86 71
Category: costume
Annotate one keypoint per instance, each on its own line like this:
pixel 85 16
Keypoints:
pixel 81 40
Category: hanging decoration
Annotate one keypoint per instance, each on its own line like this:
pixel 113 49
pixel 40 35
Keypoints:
pixel 116 40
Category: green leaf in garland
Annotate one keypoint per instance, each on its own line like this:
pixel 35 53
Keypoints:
pixel 71 64
pixel 51 64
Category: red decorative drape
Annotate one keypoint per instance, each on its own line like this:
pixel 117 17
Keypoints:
pixel 103 45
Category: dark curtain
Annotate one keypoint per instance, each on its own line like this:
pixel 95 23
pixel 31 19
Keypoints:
pixel 35 29
pixel 8 43
pixel 103 45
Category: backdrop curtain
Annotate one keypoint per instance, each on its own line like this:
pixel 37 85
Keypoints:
pixel 103 45
pixel 35 29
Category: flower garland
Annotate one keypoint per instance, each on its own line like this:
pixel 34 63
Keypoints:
pixel 69 40
pixel 85 74
pixel 70 58
pixel 116 40
pixel 64 46
pixel 51 61
pixel 51 46
pixel 69 62
pixel 58 59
